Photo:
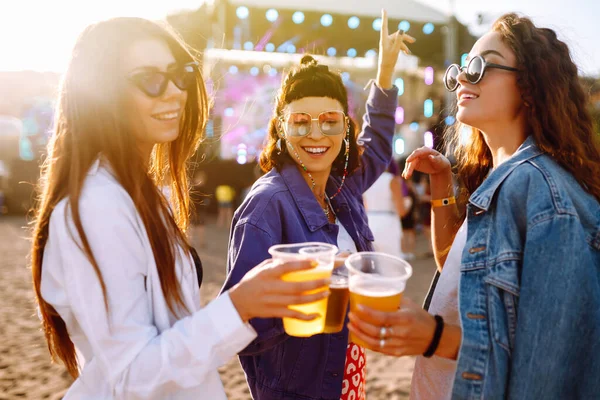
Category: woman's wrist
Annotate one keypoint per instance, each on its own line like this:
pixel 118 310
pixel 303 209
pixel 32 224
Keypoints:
pixel 384 78
pixel 441 184
pixel 238 303
pixel 449 342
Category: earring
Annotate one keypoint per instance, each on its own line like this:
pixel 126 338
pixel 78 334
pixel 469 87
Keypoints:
pixel 279 146
pixel 345 174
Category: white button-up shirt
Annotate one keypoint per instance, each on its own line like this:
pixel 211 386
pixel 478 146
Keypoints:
pixel 139 349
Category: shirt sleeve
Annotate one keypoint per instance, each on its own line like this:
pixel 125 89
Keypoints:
pixel 377 134
pixel 136 359
pixel 248 247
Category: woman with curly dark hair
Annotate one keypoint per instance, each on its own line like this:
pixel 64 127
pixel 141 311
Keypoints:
pixel 519 290
pixel 312 192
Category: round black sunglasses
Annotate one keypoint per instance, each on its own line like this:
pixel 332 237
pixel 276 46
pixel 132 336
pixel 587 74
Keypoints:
pixel 474 72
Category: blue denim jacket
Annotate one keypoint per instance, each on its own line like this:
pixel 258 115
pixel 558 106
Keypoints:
pixel 529 296
pixel 282 209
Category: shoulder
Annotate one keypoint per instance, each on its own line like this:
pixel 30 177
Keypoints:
pixel 543 187
pixel 264 201
pixel 102 201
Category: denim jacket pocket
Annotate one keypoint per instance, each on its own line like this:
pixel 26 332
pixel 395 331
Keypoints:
pixel 503 285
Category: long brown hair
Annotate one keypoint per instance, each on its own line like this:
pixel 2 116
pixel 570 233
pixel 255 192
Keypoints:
pixel 92 121
pixel 558 116
pixel 309 79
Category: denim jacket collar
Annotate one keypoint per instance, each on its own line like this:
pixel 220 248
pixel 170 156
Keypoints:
pixel 482 197
pixel 305 199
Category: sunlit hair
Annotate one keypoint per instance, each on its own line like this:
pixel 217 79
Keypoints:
pixel 93 121
pixel 557 112
pixel 309 79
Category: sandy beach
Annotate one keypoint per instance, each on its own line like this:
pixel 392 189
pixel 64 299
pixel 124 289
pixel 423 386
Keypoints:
pixel 25 368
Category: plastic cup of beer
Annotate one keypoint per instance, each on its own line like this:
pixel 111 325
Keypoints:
pixel 337 305
pixel 376 280
pixel 322 255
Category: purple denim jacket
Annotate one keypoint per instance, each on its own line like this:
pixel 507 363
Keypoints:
pixel 281 209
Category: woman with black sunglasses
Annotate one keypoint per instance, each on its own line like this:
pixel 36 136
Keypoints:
pixel 515 312
pixel 312 192
pixel 116 281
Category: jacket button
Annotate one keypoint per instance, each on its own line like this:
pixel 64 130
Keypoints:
pixel 471 376
pixel 475 316
pixel 474 250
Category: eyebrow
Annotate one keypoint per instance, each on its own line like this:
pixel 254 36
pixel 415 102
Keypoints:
pixel 486 52
pixel 152 68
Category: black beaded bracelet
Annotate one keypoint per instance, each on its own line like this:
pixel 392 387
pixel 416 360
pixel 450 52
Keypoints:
pixel 437 335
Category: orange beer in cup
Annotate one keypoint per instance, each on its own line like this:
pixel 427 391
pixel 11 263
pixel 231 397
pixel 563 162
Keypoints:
pixel 376 280
pixel 322 256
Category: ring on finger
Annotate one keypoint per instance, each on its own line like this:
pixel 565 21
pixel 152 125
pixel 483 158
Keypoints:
pixel 382 332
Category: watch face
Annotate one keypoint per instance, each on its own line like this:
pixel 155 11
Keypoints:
pixel 445 202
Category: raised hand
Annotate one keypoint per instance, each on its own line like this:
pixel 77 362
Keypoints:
pixel 426 160
pixel 389 49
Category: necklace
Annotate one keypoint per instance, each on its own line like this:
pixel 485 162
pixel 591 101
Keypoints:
pixel 327 208
pixel 326 211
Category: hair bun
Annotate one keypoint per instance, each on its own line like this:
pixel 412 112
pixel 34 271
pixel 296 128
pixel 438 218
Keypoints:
pixel 308 60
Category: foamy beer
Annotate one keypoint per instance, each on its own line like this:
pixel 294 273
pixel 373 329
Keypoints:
pixel 322 255
pixel 377 281
pixel 337 305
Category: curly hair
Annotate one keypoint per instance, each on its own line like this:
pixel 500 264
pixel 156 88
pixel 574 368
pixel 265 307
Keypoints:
pixel 558 116
pixel 309 79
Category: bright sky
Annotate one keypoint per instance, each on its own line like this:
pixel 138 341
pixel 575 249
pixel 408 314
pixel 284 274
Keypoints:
pixel 38 34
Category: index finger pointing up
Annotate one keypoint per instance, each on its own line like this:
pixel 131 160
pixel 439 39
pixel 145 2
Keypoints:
pixel 384 23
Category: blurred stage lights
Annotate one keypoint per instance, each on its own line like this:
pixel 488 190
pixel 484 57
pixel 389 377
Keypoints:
pixel 272 15
pixel 228 112
pixel 399 115
pixel 233 70
pixel 428 28
pixel 450 120
pixel 272 72
pixel 428 139
pixel 377 24
pixel 399 146
pixel 254 71
pixel 353 22
pixel 248 46
pixel 345 77
pixel 428 108
pixel 414 126
pixel 331 52
pixel 270 47
pixel 399 82
pixel 404 25
pixel 242 12
pixel 351 52
pixel 326 20
pixel 371 53
pixel 298 17
pixel 291 48
pixel 429 75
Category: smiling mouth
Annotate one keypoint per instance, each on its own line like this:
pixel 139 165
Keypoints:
pixel 166 116
pixel 316 151
pixel 468 96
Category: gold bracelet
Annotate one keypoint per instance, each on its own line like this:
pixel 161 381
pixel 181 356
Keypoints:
pixel 443 202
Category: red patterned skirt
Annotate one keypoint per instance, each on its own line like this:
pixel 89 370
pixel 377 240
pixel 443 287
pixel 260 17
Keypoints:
pixel 354 384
